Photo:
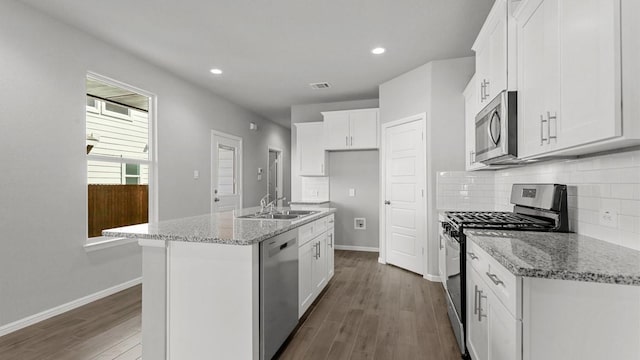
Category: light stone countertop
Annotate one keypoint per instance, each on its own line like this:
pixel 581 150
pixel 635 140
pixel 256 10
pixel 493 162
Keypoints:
pixel 564 256
pixel 219 228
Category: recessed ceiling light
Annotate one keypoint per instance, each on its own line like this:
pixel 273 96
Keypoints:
pixel 378 51
pixel 216 71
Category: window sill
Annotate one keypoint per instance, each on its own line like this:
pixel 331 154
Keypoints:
pixel 102 242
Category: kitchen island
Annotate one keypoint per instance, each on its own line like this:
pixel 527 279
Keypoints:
pixel 201 281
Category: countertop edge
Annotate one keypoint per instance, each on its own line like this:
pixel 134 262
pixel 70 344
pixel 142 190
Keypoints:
pixel 208 240
pixel 554 274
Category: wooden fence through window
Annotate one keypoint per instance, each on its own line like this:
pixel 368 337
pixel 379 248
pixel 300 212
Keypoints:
pixel 117 205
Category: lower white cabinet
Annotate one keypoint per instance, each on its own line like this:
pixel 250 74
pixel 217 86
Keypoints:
pixel 492 332
pixel 315 260
pixel 521 318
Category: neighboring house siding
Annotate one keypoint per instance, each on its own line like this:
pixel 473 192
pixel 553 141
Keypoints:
pixel 120 138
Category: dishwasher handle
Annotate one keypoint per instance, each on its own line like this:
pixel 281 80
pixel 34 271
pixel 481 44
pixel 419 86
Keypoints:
pixel 275 249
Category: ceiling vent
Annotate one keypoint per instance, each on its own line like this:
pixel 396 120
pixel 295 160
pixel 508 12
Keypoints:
pixel 320 85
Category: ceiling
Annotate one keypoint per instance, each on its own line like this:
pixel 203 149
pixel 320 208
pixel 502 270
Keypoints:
pixel 270 50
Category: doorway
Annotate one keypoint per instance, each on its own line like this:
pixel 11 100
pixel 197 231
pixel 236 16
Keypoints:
pixel 403 190
pixel 226 172
pixel 275 175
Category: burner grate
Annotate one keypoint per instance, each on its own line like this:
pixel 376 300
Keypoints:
pixel 496 220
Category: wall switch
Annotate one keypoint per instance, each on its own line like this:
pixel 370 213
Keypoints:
pixel 259 170
pixel 352 192
pixel 359 223
pixel 609 218
pixel 259 177
pixel 196 174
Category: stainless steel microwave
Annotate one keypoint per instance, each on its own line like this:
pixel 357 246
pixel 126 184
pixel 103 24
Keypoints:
pixel 497 130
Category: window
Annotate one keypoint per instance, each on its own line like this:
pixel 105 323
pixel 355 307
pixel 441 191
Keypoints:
pixel 226 170
pixel 119 161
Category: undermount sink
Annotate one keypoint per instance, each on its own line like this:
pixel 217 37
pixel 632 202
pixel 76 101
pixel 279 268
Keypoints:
pixel 280 215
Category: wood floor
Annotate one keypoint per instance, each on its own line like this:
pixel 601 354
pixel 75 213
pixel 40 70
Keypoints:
pixel 368 311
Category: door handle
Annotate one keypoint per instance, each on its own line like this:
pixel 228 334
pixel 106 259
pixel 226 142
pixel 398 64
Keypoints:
pixel 475 300
pixel 472 256
pixel 318 250
pixel 549 118
pixel 387 202
pixel 480 297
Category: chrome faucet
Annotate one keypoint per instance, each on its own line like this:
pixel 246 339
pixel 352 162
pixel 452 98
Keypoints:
pixel 272 204
pixel 263 202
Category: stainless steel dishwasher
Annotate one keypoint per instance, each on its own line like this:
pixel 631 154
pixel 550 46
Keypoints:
pixel 278 291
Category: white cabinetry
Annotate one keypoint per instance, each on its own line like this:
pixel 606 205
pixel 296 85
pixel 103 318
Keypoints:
pixel 471 108
pixel 311 155
pixel 315 260
pixel 570 86
pixel 492 56
pixel 494 330
pixel 351 129
pixel 514 318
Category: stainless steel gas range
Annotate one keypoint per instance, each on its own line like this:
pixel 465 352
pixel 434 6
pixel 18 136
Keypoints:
pixel 537 207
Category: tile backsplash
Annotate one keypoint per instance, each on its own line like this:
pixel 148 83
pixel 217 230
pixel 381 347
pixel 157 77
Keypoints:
pixel 608 183
pixel 466 191
pixel 315 188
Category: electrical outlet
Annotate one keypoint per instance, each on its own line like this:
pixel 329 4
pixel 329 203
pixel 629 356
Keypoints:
pixel 609 218
pixel 359 223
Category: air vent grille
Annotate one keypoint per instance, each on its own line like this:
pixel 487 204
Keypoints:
pixel 320 85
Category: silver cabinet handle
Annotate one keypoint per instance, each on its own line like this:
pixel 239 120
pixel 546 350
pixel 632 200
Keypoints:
pixel 495 278
pixel 322 168
pixel 475 300
pixel 315 251
pixel 482 91
pixel 472 256
pixel 351 140
pixel 486 89
pixel 331 243
pixel 549 118
pixel 480 314
pixel 346 141
pixel 542 138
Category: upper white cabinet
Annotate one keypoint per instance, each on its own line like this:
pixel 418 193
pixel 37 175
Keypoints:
pixel 471 108
pixel 570 85
pixel 312 159
pixel 494 60
pixel 351 129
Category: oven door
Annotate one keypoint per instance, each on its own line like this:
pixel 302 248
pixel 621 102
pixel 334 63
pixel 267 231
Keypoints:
pixel 491 130
pixel 454 276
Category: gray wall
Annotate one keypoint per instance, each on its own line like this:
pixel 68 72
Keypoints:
pixel 435 89
pixel 43 191
pixel 357 170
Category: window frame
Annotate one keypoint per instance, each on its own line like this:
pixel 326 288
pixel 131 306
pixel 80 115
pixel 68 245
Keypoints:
pixel 100 242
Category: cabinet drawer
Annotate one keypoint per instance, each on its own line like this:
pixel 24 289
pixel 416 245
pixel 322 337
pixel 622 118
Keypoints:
pixel 311 230
pixel 506 286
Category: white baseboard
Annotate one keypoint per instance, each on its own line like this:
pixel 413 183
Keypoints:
pixel 356 248
pixel 434 278
pixel 33 319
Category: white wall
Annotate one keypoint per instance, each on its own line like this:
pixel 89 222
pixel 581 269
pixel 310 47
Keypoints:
pixel 43 67
pixel 435 89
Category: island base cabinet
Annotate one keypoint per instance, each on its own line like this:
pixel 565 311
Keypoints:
pixel 580 320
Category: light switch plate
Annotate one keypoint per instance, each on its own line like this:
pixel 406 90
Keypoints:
pixel 196 174
pixel 352 192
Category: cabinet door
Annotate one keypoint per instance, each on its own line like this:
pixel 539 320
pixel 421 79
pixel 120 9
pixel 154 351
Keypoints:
pixel 330 252
pixel 538 75
pixel 471 109
pixel 363 127
pixel 306 257
pixel 319 268
pixel 336 130
pixel 311 152
pixel 498 51
pixel 503 329
pixel 477 323
pixel 442 258
pixel 483 64
pixel 590 64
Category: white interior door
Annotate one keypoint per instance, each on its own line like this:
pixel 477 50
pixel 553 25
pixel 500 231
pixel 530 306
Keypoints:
pixel 226 173
pixel 404 175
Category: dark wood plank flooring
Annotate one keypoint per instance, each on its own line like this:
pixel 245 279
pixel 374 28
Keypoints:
pixel 368 311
